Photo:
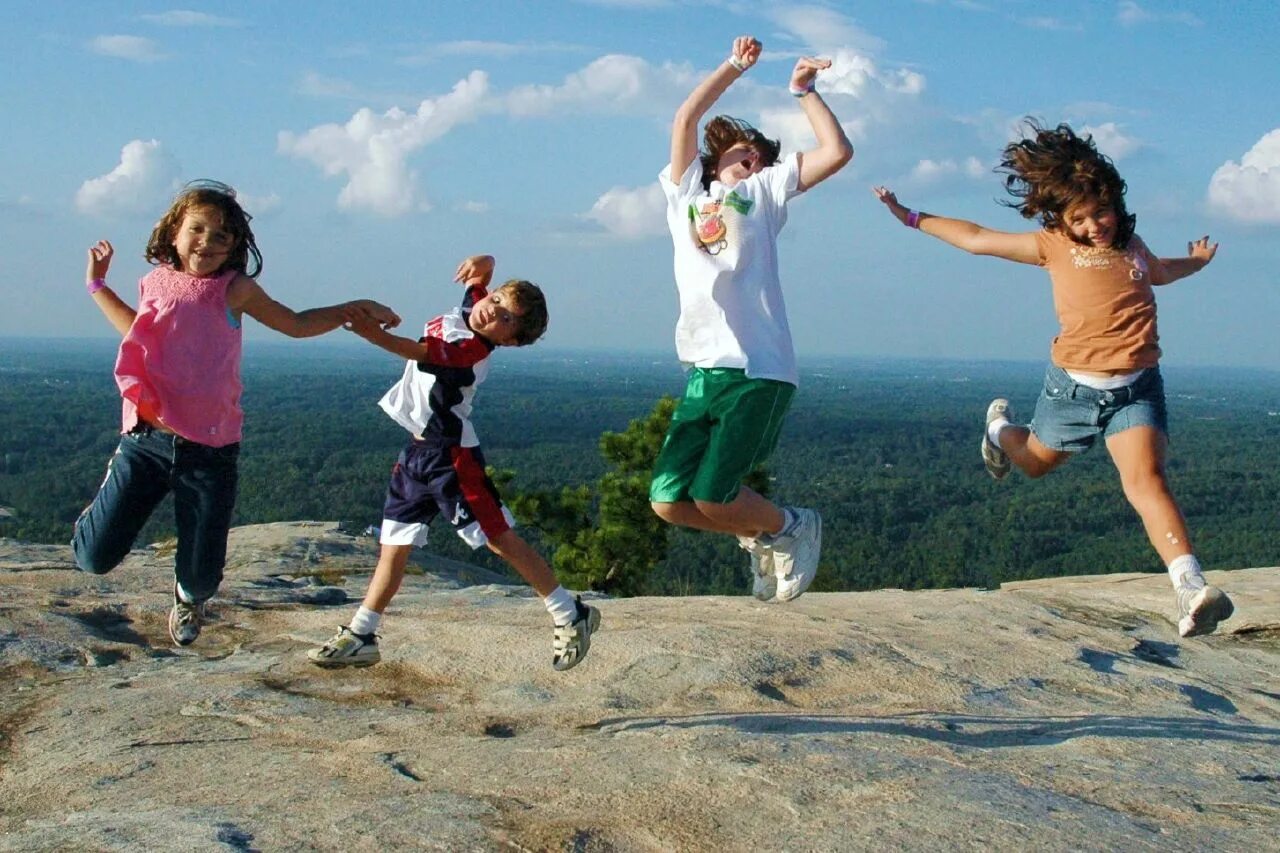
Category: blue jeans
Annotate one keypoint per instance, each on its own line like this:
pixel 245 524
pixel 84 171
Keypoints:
pixel 1070 416
pixel 146 466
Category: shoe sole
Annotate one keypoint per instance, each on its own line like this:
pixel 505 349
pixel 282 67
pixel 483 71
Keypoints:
pixel 1211 607
pixel 331 663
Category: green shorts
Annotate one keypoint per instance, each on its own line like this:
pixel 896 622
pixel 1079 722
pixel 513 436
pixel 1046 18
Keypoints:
pixel 726 425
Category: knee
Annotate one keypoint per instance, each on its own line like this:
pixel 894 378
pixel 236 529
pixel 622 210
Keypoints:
pixel 1144 487
pixel 713 511
pixel 94 562
pixel 664 510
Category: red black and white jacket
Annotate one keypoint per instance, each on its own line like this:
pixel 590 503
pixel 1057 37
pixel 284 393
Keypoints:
pixel 432 400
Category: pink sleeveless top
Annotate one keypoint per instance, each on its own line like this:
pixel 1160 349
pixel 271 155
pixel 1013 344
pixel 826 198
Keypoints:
pixel 179 363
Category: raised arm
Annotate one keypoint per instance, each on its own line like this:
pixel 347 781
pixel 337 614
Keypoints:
pixel 973 238
pixel 684 128
pixel 117 312
pixel 1199 253
pixel 834 149
pixel 246 296
pixel 475 271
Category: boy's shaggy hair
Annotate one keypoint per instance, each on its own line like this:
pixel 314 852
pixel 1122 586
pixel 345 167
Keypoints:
pixel 724 132
pixel 526 297
pixel 1052 171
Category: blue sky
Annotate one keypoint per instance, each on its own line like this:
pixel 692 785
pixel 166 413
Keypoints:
pixel 377 144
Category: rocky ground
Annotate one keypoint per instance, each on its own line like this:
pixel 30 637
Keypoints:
pixel 1062 714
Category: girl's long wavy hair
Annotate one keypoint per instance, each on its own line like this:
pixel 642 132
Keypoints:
pixel 1051 171
pixel 724 132
pixel 222 198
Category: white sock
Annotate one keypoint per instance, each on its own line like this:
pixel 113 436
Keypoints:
pixel 561 606
pixel 365 622
pixel 183 594
pixel 1186 571
pixel 790 521
pixel 993 431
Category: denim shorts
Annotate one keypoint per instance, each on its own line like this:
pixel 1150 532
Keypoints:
pixel 1069 416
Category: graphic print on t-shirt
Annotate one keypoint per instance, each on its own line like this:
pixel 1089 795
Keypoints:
pixel 710 230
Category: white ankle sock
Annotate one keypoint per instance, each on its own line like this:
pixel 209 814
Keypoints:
pixel 993 430
pixel 365 621
pixel 1186 571
pixel 561 606
pixel 183 594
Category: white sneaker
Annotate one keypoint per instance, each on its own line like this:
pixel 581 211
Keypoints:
pixel 570 643
pixel 795 557
pixel 997 462
pixel 1201 608
pixel 347 648
pixel 764 583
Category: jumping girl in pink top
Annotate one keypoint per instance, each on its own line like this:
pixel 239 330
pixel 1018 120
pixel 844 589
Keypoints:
pixel 1104 379
pixel 178 370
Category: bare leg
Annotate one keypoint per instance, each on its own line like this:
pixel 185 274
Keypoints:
pixel 749 514
pixel 525 560
pixel 1139 454
pixel 387 576
pixel 1027 453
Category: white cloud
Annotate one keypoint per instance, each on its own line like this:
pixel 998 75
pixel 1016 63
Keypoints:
pixel 613 83
pixel 1111 140
pixel 134 48
pixel 142 183
pixel 631 213
pixel 931 171
pixel 258 205
pixel 372 150
pixel 1130 14
pixel 1249 191
pixel 474 207
pixel 825 30
pixel 187 18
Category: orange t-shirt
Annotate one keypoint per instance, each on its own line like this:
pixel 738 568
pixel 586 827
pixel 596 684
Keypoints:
pixel 1106 308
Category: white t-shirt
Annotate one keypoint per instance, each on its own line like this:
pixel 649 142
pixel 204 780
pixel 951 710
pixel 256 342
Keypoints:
pixel 726 265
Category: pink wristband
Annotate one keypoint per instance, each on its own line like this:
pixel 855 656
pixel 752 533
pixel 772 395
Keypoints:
pixel 913 219
pixel 94 285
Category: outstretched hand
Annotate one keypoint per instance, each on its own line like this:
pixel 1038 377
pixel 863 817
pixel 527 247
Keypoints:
pixel 746 50
pixel 1201 250
pixel 890 201
pixel 369 314
pixel 100 255
pixel 806 70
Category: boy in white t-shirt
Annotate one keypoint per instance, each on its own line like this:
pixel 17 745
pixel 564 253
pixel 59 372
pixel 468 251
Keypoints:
pixel 725 207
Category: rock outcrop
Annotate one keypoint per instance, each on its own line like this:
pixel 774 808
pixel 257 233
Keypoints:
pixel 1061 714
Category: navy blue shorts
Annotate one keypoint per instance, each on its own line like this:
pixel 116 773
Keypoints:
pixel 430 480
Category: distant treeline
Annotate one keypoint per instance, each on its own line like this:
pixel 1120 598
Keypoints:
pixel 887 451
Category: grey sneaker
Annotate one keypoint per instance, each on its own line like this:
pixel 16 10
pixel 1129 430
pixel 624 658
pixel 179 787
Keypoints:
pixel 997 462
pixel 764 583
pixel 1201 608
pixel 570 643
pixel 347 648
pixel 795 557
pixel 185 621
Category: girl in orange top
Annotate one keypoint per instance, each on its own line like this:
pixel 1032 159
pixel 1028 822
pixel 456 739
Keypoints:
pixel 1104 379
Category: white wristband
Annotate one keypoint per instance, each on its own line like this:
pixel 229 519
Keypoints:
pixel 737 63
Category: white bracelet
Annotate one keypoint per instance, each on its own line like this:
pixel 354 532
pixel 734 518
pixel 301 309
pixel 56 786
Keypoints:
pixel 737 63
pixel 800 93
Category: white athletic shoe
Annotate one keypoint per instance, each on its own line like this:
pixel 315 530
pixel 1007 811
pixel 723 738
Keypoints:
pixel 997 462
pixel 795 557
pixel 570 643
pixel 764 583
pixel 347 648
pixel 1201 608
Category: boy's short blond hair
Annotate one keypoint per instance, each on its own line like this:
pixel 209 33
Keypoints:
pixel 526 297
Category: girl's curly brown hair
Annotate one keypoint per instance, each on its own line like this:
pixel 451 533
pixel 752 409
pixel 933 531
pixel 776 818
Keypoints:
pixel 724 132
pixel 1052 171
pixel 222 198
